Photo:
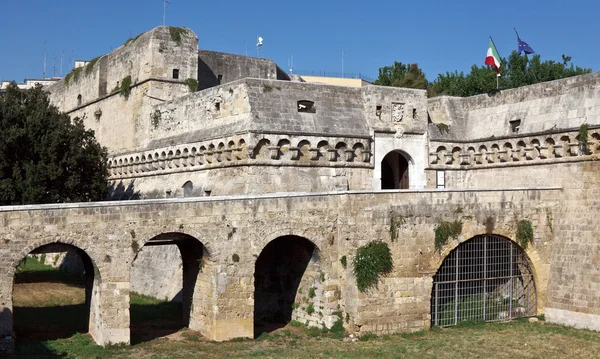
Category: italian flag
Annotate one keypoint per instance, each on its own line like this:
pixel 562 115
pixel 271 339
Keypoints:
pixel 492 57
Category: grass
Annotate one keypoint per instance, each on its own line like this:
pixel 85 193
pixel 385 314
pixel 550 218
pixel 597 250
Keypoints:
pixel 516 339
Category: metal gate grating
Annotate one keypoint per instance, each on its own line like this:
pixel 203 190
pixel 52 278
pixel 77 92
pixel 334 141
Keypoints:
pixel 487 278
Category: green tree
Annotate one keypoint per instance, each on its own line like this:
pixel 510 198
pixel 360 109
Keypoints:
pixel 402 75
pixel 44 157
pixel 516 71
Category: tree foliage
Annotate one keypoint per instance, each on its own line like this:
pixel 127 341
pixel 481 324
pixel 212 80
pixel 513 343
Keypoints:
pixel 44 157
pixel 402 75
pixel 516 71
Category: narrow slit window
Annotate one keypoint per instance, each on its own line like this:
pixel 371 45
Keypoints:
pixel 306 106
pixel 79 100
pixel 219 79
pixel 378 110
pixel 175 73
pixel 515 126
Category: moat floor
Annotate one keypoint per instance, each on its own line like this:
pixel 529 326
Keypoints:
pixel 50 317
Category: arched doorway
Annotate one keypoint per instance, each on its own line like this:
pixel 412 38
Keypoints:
pixel 487 278
pixel 52 293
pixel 165 276
pixel 394 171
pixel 282 266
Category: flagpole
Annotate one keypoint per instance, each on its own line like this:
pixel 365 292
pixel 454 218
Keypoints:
pixel 516 33
pixel 498 74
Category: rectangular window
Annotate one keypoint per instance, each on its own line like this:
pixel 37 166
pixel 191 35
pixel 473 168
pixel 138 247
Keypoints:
pixel 440 179
pixel 175 73
pixel 515 126
pixel 219 79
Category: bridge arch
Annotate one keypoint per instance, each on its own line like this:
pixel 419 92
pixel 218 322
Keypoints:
pixel 288 283
pixel 485 278
pixel 189 262
pixel 41 321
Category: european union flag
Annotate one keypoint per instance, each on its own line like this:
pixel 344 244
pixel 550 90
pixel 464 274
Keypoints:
pixel 523 46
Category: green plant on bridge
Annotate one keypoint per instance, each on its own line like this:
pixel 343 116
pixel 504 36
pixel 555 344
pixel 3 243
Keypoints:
pixel 583 138
pixel 372 260
pixel 524 233
pixel 446 230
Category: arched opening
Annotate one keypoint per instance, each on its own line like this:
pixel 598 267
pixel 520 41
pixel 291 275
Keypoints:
pixel 487 278
pixel 164 280
pixel 394 171
pixel 188 189
pixel 52 293
pixel 282 267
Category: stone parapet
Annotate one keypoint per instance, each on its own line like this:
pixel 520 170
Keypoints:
pixel 523 150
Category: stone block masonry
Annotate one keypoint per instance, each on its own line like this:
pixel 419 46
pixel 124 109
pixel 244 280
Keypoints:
pixel 233 231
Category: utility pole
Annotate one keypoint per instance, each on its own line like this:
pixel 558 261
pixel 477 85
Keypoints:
pixel 342 62
pixel 62 55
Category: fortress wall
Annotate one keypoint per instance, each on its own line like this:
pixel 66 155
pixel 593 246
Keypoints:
pixel 207 114
pixel 230 67
pixel 414 104
pixel 255 179
pixel 338 110
pixel 559 104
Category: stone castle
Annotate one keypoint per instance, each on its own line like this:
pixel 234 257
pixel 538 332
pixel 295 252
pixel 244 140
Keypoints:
pixel 284 160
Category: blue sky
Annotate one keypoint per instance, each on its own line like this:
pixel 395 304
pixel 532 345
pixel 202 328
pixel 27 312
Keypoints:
pixel 438 35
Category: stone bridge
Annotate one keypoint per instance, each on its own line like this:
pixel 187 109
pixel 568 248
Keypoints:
pixel 221 240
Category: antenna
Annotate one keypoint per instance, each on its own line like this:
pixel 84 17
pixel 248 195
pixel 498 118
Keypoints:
pixel 342 62
pixel 291 64
pixel 54 65
pixel 62 55
pixel 259 43
pixel 165 2
pixel 44 60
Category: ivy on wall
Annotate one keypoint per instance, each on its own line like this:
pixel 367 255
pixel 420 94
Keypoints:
pixel 125 89
pixel 446 230
pixel 372 260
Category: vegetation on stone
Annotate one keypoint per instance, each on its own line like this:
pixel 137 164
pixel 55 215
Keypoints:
pixel 446 230
pixel 192 84
pixel 44 157
pixel 524 234
pixel 125 89
pixel 583 137
pixel 372 260
pixel 176 33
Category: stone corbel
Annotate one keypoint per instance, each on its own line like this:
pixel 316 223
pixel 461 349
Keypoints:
pixel 433 158
pixel 314 153
pixel 274 152
pixel 503 156
pixel 366 155
pixel 218 156
pixel 201 159
pixel 332 154
pixel 228 154
pixel 530 153
pixel 237 153
pixel 574 149
pixel 449 159
pixel 208 156
pixel 559 151
pixel 544 152
pixel 348 155
pixel 465 159
pixel 251 153
pixel 478 158
pixel 295 153
pixel 515 155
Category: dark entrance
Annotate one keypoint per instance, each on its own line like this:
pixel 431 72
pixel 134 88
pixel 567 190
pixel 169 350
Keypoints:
pixel 53 302
pixel 394 171
pixel 155 317
pixel 278 272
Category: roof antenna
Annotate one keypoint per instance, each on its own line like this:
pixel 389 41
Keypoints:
pixel 44 60
pixel 165 2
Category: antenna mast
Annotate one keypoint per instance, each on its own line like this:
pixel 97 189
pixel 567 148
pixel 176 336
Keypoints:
pixel 54 64
pixel 44 60
pixel 165 2
pixel 342 62
pixel 62 55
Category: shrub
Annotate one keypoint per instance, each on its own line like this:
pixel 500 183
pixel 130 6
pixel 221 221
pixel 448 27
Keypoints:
pixel 372 261
pixel 524 233
pixel 125 89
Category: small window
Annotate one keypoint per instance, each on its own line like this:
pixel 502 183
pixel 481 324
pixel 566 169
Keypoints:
pixel 414 111
pixel 378 110
pixel 207 193
pixel 219 79
pixel 217 106
pixel 175 73
pixel 188 187
pixel 306 106
pixel 79 100
pixel 515 126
